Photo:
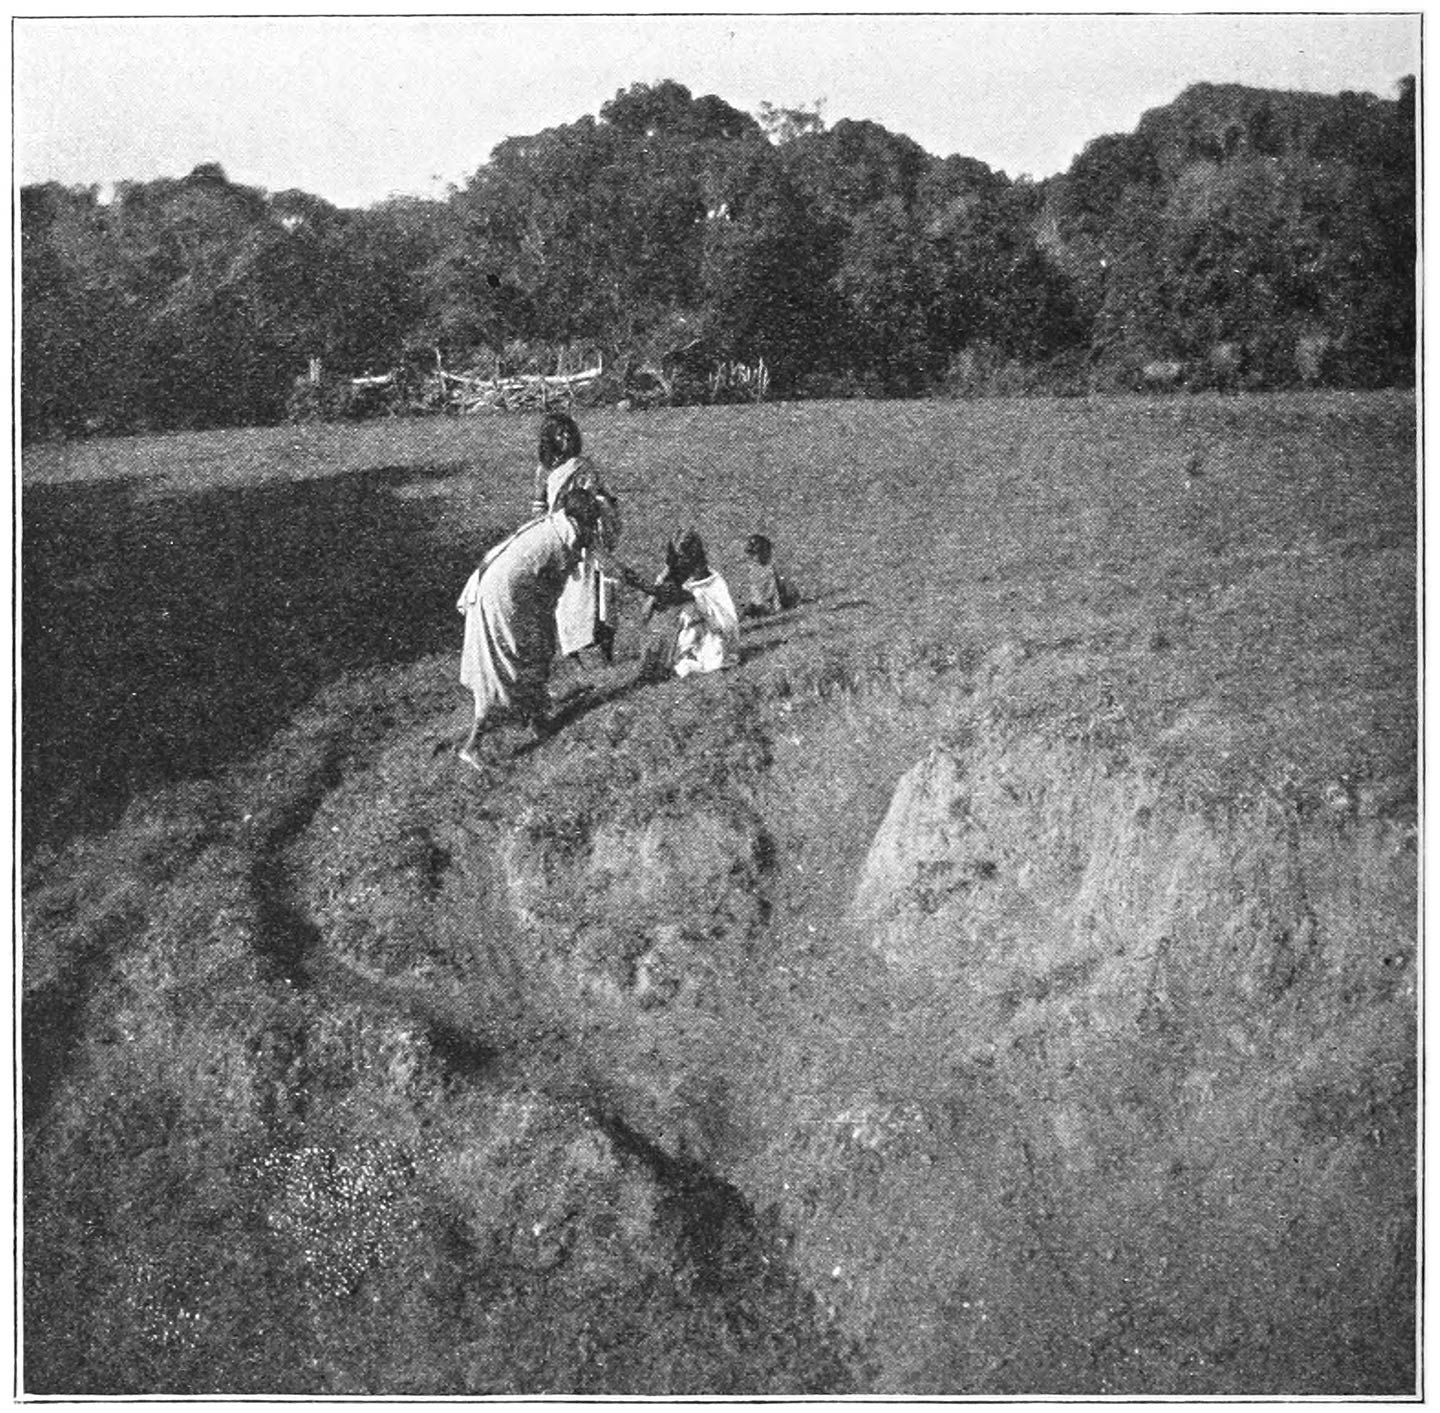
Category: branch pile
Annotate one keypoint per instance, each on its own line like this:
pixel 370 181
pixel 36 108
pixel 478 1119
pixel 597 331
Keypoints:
pixel 466 392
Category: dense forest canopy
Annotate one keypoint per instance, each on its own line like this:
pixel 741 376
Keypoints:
pixel 1247 237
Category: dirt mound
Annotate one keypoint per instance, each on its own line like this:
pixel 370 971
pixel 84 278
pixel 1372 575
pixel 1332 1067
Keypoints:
pixel 643 904
pixel 318 1125
pixel 1157 1018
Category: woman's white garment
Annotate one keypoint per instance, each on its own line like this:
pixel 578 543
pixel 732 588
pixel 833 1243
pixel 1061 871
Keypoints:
pixel 509 607
pixel 587 599
pixel 709 636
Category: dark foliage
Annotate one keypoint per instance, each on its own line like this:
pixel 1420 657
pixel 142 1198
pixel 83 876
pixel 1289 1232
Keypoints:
pixel 1260 238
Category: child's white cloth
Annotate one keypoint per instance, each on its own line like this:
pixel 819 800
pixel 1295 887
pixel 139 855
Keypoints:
pixel 709 636
pixel 583 603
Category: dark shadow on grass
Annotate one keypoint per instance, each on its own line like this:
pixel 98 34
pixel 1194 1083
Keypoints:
pixel 770 620
pixel 581 702
pixel 751 651
pixel 165 636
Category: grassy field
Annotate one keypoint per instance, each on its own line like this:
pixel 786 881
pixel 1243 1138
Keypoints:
pixel 1003 982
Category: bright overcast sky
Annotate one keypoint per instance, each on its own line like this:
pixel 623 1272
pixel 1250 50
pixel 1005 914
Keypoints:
pixel 354 109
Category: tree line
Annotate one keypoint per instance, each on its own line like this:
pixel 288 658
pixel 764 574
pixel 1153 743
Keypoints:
pixel 1239 237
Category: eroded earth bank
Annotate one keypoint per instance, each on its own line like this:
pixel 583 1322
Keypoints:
pixel 904 1013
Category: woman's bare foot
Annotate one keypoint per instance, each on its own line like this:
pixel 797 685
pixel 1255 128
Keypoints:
pixel 467 754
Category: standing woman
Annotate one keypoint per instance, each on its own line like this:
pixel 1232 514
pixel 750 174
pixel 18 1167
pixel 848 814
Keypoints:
pixel 509 607
pixel 585 615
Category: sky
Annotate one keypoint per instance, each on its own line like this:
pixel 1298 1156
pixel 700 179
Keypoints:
pixel 356 109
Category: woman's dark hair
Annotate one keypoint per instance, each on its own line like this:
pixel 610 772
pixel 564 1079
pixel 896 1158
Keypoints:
pixel 759 549
pixel 583 507
pixel 559 440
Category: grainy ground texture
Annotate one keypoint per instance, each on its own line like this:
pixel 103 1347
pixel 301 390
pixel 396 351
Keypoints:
pixel 1003 982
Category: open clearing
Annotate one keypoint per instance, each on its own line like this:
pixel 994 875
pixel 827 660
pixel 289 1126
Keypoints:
pixel 1003 982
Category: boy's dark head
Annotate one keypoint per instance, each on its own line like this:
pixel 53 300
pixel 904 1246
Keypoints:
pixel 758 548
pixel 559 440
pixel 685 558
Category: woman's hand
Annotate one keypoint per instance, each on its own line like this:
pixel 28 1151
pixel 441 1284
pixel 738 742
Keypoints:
pixel 632 578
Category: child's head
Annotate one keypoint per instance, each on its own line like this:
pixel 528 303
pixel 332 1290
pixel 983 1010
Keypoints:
pixel 685 558
pixel 559 440
pixel 758 548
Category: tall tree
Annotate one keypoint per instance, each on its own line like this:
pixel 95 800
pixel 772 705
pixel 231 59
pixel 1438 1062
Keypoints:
pixel 78 322
pixel 768 265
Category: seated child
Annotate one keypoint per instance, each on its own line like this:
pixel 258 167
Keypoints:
pixel 707 635
pixel 766 592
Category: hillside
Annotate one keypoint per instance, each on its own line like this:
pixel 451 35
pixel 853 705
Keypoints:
pixel 1002 982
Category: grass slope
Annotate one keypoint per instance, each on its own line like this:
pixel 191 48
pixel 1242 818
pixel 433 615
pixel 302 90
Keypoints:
pixel 346 1072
